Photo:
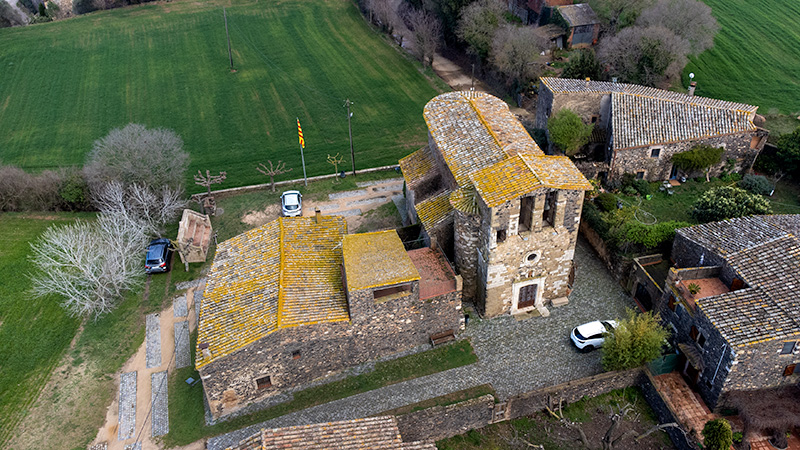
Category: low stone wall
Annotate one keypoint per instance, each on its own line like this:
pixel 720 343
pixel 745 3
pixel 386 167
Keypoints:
pixel 440 422
pixel 620 268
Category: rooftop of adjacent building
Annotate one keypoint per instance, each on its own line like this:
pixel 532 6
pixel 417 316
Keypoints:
pixel 288 273
pixel 764 251
pixel 645 116
pixel 578 14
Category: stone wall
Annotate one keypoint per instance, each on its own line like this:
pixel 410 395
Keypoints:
pixel 467 238
pixel 737 146
pixel 619 267
pixel 761 366
pixel 441 422
pixel 295 356
pixel 542 255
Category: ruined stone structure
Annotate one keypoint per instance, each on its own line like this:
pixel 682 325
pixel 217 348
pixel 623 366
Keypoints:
pixel 298 299
pixel 642 127
pixel 741 331
pixel 485 193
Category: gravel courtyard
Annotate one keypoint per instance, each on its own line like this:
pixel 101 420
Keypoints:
pixel 513 356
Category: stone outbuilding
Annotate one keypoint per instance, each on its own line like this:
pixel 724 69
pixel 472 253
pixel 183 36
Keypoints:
pixel 732 303
pixel 533 12
pixel 584 26
pixel 299 299
pixel 502 210
pixel 642 127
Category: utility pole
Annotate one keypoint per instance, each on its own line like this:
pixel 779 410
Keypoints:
pixel 347 104
pixel 230 55
pixel 472 88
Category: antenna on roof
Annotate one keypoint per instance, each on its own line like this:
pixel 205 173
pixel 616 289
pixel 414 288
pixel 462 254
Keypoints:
pixel 692 84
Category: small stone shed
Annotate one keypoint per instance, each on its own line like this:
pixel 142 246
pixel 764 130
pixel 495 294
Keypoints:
pixel 741 331
pixel 502 210
pixel 299 299
pixel 584 26
pixel 642 127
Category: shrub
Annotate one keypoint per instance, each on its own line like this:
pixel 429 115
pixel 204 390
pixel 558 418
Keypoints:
pixel 727 202
pixel 74 192
pixel 757 184
pixel 650 236
pixel 606 201
pixel 584 65
pixel 23 191
pixel 702 157
pixel 568 132
pixel 629 190
pixel 717 435
pixel 595 220
pixel 636 341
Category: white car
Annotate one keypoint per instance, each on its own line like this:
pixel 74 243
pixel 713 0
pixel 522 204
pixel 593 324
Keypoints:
pixel 589 336
pixel 292 203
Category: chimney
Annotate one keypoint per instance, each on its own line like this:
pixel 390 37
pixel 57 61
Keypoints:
pixel 692 87
pixel 317 215
pixel 587 81
pixel 204 347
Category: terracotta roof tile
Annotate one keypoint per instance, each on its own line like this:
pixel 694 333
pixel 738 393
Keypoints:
pixel 434 210
pixel 282 274
pixel 417 165
pixel 376 259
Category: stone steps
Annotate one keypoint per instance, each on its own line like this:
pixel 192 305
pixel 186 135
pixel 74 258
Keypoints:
pixel 153 340
pixel 182 350
pixel 159 416
pixel 179 308
pixel 127 405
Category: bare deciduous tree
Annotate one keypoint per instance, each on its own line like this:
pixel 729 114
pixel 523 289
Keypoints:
pixel 516 53
pixel 618 14
pixel 648 56
pixel 90 265
pixel 135 154
pixel 426 33
pixel 207 180
pixel 273 171
pixel 140 206
pixel 689 19
pixel 478 23
pixel 382 12
pixel 335 160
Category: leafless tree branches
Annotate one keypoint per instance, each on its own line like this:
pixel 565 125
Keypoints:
pixel 426 33
pixel 90 265
pixel 689 19
pixel 140 206
pixel 207 180
pixel 273 171
pixel 647 56
pixel 516 52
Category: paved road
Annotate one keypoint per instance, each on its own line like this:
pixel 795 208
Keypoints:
pixel 514 356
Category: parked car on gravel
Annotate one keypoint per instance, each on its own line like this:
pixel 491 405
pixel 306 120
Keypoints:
pixel 291 203
pixel 589 336
pixel 159 256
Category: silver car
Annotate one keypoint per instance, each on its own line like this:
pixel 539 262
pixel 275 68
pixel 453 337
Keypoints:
pixel 291 203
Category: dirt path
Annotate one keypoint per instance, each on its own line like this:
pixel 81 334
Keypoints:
pixel 350 204
pixel 109 432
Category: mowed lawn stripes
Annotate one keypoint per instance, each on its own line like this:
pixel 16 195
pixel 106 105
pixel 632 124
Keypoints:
pixel 65 84
pixel 756 55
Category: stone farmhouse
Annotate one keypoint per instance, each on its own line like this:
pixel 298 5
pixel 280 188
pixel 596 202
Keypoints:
pixel 506 213
pixel 741 331
pixel 359 434
pixel 299 299
pixel 637 129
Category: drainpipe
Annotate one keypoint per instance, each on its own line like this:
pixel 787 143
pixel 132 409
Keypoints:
pixel 725 347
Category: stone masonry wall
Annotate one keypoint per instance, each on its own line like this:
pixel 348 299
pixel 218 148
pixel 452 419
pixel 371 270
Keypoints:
pixel 324 349
pixel 550 248
pixel 441 422
pixel 467 238
pixel 737 146
pixel 761 366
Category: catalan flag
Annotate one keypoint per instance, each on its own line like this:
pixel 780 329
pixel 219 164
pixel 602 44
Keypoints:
pixel 300 134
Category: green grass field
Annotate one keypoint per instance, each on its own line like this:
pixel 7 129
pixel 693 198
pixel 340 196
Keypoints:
pixel 34 331
pixel 66 84
pixel 756 55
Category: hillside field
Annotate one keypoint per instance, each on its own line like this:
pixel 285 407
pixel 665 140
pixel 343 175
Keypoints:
pixel 65 84
pixel 756 55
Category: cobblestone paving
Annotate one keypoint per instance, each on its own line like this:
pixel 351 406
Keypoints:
pixel 179 308
pixel 514 356
pixel 160 413
pixel 127 405
pixel 100 446
pixel 182 355
pixel 198 299
pixel 153 338
pixel 134 446
pixel 189 284
pixel 396 181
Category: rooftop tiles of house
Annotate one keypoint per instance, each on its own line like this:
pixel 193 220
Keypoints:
pixel 578 14
pixel 417 165
pixel 769 308
pixel 285 273
pixel 434 210
pixel 436 276
pixel 376 259
pixel 475 131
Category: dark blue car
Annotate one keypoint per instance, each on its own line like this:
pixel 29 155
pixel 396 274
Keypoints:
pixel 159 256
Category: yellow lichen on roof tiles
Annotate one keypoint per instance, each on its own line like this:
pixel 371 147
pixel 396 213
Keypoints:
pixel 465 200
pixel 376 259
pixel 416 165
pixel 557 172
pixel 293 259
pixel 434 210
pixel 504 181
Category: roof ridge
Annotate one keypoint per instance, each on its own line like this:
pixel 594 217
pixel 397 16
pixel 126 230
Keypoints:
pixel 485 123
pixel 282 266
pixel 686 101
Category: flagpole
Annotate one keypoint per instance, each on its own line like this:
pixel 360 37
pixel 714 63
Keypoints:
pixel 302 157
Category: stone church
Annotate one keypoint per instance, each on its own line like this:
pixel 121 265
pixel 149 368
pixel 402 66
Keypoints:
pixel 487 195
